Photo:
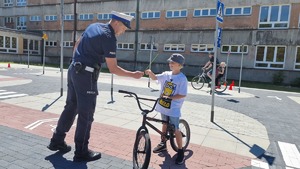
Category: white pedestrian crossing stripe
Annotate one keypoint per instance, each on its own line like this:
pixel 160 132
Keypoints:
pixel 9 94
pixel 290 154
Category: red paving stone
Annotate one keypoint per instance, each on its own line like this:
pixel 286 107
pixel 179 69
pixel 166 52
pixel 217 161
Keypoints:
pixel 118 142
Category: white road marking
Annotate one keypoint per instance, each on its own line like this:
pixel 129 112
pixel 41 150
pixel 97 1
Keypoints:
pixel 5 93
pixel 259 164
pixel 275 97
pixel 290 153
pixel 14 95
pixel 39 122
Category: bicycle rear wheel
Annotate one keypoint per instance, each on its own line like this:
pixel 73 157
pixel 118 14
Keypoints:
pixel 222 86
pixel 186 135
pixel 142 151
pixel 197 82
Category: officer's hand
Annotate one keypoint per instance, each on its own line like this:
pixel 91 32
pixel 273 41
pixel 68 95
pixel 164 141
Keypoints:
pixel 147 71
pixel 138 74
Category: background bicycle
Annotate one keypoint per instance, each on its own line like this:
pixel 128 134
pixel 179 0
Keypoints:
pixel 142 145
pixel 201 80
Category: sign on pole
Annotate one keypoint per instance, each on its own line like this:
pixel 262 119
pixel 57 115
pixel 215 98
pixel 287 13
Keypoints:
pixel 219 37
pixel 220 11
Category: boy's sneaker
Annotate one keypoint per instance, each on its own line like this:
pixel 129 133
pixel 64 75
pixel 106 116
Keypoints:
pixel 180 157
pixel 160 147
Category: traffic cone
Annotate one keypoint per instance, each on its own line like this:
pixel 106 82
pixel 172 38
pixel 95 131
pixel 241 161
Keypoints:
pixel 232 84
pixel 8 66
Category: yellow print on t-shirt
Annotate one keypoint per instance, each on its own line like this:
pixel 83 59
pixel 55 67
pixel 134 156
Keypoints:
pixel 168 90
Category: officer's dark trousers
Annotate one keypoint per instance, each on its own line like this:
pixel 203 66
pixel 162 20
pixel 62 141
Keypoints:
pixel 81 99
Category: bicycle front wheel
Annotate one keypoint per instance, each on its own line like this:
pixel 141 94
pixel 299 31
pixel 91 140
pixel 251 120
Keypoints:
pixel 184 128
pixel 142 151
pixel 222 86
pixel 197 82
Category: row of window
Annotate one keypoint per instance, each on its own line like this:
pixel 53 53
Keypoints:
pixel 10 3
pixel 271 57
pixel 276 16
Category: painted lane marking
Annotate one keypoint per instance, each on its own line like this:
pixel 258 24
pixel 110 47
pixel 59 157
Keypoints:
pixel 5 93
pixel 275 97
pixel 290 153
pixel 39 122
pixel 14 95
pixel 259 164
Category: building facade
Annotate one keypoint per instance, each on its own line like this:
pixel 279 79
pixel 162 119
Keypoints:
pixel 265 33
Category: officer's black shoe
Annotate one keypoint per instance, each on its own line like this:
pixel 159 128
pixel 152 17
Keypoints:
pixel 62 147
pixel 89 156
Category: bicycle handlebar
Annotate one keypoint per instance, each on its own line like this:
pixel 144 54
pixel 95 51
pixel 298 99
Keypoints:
pixel 141 98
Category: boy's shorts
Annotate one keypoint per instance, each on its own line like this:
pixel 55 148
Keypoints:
pixel 173 120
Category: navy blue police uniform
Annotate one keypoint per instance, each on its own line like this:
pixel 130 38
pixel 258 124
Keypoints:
pixel 97 42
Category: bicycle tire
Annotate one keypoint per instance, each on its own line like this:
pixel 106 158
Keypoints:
pixel 222 87
pixel 197 82
pixel 186 132
pixel 142 151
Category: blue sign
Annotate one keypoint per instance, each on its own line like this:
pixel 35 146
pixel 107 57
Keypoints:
pixel 220 11
pixel 219 37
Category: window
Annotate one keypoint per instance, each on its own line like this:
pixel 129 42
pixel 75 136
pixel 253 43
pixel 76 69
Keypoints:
pixel 8 19
pixel 68 17
pixel 104 16
pixel 174 47
pixel 86 17
pixel 51 18
pixel 21 23
pixel 35 18
pixel 21 2
pixel 130 13
pixel 33 46
pixel 205 12
pixel 147 46
pixel 176 13
pixel 234 49
pixel 51 43
pixel 297 60
pixel 271 57
pixel 274 16
pixel 202 47
pixel 150 15
pixel 238 11
pixel 128 46
pixel 68 44
pixel 8 44
pixel 8 3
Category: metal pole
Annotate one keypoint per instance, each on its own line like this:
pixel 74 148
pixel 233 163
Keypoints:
pixel 151 52
pixel 137 19
pixel 75 23
pixel 28 43
pixel 241 67
pixel 112 88
pixel 61 45
pixel 227 65
pixel 44 55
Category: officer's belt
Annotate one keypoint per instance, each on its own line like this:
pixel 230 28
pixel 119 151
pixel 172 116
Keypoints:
pixel 86 68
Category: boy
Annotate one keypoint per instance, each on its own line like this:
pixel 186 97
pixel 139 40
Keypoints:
pixel 174 89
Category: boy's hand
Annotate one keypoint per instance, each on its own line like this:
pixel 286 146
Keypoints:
pixel 138 74
pixel 148 71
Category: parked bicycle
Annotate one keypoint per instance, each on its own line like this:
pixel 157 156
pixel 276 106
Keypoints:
pixel 142 145
pixel 201 79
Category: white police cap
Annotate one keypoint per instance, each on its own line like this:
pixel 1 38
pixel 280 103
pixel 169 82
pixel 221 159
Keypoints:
pixel 124 18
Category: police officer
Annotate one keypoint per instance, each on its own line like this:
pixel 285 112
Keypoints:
pixel 96 45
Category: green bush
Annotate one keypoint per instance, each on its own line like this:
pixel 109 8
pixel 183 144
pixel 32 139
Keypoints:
pixel 296 82
pixel 278 78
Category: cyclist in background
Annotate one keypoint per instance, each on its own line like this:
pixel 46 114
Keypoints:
pixel 210 63
pixel 173 91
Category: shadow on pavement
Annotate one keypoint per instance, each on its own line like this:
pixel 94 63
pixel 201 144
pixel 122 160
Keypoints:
pixel 58 161
pixel 256 150
pixel 49 105
pixel 169 162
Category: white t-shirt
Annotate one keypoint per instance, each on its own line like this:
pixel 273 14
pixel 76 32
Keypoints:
pixel 171 85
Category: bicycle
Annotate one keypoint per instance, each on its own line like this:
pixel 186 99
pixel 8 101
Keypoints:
pixel 142 145
pixel 202 78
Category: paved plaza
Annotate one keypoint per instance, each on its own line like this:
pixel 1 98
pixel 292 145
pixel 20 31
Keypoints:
pixel 247 131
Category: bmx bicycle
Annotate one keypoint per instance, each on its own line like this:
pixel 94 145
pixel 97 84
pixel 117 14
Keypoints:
pixel 202 78
pixel 142 145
